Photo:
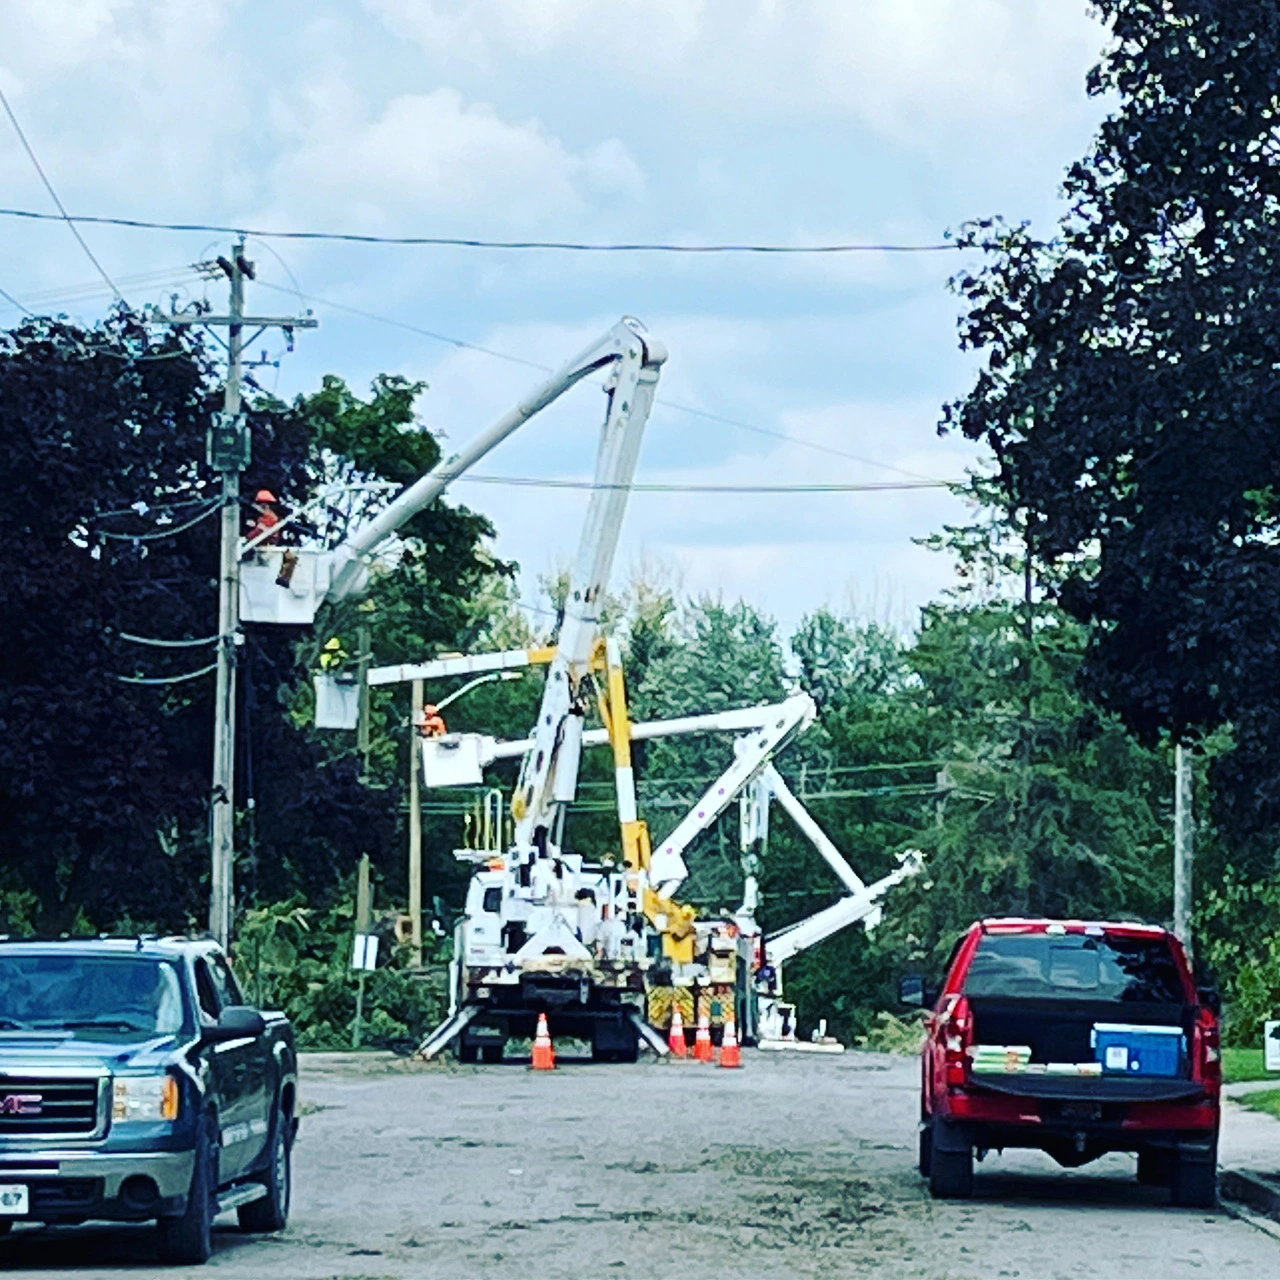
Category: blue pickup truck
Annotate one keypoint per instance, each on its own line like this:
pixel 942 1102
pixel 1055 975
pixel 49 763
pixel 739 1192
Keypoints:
pixel 136 1085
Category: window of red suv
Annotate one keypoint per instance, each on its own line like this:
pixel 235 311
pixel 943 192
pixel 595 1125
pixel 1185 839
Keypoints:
pixel 1075 966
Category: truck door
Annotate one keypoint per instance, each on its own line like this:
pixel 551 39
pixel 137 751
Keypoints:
pixel 239 1073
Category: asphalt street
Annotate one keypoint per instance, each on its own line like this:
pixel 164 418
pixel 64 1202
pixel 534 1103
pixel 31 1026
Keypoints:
pixel 797 1165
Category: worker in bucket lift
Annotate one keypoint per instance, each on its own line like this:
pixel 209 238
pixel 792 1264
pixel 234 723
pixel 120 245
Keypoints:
pixel 431 724
pixel 265 503
pixel 333 656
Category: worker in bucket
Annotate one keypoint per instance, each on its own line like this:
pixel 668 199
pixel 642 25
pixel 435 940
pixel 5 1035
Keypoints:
pixel 267 517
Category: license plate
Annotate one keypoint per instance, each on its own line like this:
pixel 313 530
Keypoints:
pixel 13 1199
pixel 1081 1111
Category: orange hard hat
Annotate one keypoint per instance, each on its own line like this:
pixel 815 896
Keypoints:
pixel 264 495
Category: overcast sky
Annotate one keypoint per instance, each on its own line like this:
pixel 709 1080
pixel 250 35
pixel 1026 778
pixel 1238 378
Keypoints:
pixel 787 121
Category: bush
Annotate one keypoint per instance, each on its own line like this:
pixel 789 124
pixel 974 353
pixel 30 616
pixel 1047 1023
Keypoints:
pixel 291 958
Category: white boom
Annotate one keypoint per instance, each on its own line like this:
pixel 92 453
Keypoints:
pixel 335 575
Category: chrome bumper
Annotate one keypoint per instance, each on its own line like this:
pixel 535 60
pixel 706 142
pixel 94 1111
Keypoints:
pixel 170 1170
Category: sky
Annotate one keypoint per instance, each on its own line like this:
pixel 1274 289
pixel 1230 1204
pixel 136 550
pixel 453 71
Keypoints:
pixel 687 121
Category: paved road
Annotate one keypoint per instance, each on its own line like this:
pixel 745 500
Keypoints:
pixel 794 1166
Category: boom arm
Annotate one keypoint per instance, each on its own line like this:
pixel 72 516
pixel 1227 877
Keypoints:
pixel 624 344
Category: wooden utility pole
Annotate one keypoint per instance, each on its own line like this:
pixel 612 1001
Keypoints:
pixel 1183 844
pixel 415 827
pixel 364 922
pixel 229 453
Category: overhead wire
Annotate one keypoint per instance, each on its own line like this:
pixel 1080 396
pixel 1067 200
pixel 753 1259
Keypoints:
pixel 13 302
pixel 168 644
pixel 535 482
pixel 190 675
pixel 463 345
pixel 167 531
pixel 48 186
pixel 474 242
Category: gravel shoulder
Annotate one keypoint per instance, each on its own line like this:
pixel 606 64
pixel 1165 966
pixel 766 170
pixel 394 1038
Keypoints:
pixel 797 1165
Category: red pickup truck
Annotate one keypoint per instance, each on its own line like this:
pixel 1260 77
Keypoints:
pixel 1076 1039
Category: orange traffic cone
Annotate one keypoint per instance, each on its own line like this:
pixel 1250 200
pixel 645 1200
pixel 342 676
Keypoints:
pixel 702 1040
pixel 730 1052
pixel 544 1054
pixel 675 1038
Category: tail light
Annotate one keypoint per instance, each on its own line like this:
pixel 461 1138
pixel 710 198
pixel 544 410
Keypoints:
pixel 1207 1049
pixel 957 1035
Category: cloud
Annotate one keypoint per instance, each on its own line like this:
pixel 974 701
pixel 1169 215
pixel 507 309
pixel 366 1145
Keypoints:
pixel 907 68
pixel 437 154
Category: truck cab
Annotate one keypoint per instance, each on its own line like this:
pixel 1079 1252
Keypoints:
pixel 1076 1038
pixel 136 1085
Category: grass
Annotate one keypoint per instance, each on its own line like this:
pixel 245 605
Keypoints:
pixel 1265 1100
pixel 1244 1064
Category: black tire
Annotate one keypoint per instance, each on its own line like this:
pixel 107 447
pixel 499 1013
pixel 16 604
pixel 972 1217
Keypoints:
pixel 1155 1167
pixel 1194 1184
pixel 492 1053
pixel 271 1213
pixel 924 1157
pixel 950 1171
pixel 468 1052
pixel 187 1239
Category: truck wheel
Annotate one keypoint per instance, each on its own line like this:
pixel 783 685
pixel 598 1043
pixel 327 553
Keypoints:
pixel 187 1239
pixel 492 1053
pixel 925 1155
pixel 271 1213
pixel 1195 1181
pixel 950 1170
pixel 1155 1167
pixel 468 1052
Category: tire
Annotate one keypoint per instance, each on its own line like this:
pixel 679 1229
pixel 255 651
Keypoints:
pixel 271 1213
pixel 950 1171
pixel 468 1052
pixel 1194 1184
pixel 187 1239
pixel 1155 1167
pixel 925 1153
pixel 492 1053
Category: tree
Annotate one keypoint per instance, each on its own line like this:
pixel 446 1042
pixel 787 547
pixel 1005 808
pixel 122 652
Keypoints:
pixel 1129 386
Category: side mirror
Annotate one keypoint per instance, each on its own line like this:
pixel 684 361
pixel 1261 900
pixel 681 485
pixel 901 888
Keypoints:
pixel 236 1022
pixel 1211 999
pixel 911 990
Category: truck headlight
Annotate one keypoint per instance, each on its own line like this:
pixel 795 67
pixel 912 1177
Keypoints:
pixel 145 1098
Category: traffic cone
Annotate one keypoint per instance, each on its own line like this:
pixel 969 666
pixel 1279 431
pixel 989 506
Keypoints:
pixel 675 1038
pixel 730 1052
pixel 702 1050
pixel 544 1053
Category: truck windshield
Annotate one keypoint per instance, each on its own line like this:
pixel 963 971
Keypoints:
pixel 90 995
pixel 1075 966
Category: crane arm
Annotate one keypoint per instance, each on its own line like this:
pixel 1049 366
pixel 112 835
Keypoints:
pixel 667 867
pixel 788 942
pixel 352 557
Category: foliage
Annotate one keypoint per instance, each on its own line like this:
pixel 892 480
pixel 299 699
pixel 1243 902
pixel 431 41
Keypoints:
pixel 291 957
pixel 1266 1101
pixel 891 1034
pixel 1244 1064
pixel 1128 390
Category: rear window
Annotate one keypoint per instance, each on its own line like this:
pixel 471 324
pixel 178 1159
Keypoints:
pixel 1075 966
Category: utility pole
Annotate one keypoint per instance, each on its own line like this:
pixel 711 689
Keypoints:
pixel 229 452
pixel 1183 844
pixel 415 827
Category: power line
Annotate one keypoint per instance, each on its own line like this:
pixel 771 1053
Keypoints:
pixel 66 217
pixel 191 675
pixel 464 345
pixel 534 482
pixel 13 302
pixel 471 242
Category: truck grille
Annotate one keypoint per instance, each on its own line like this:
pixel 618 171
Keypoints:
pixel 35 1106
